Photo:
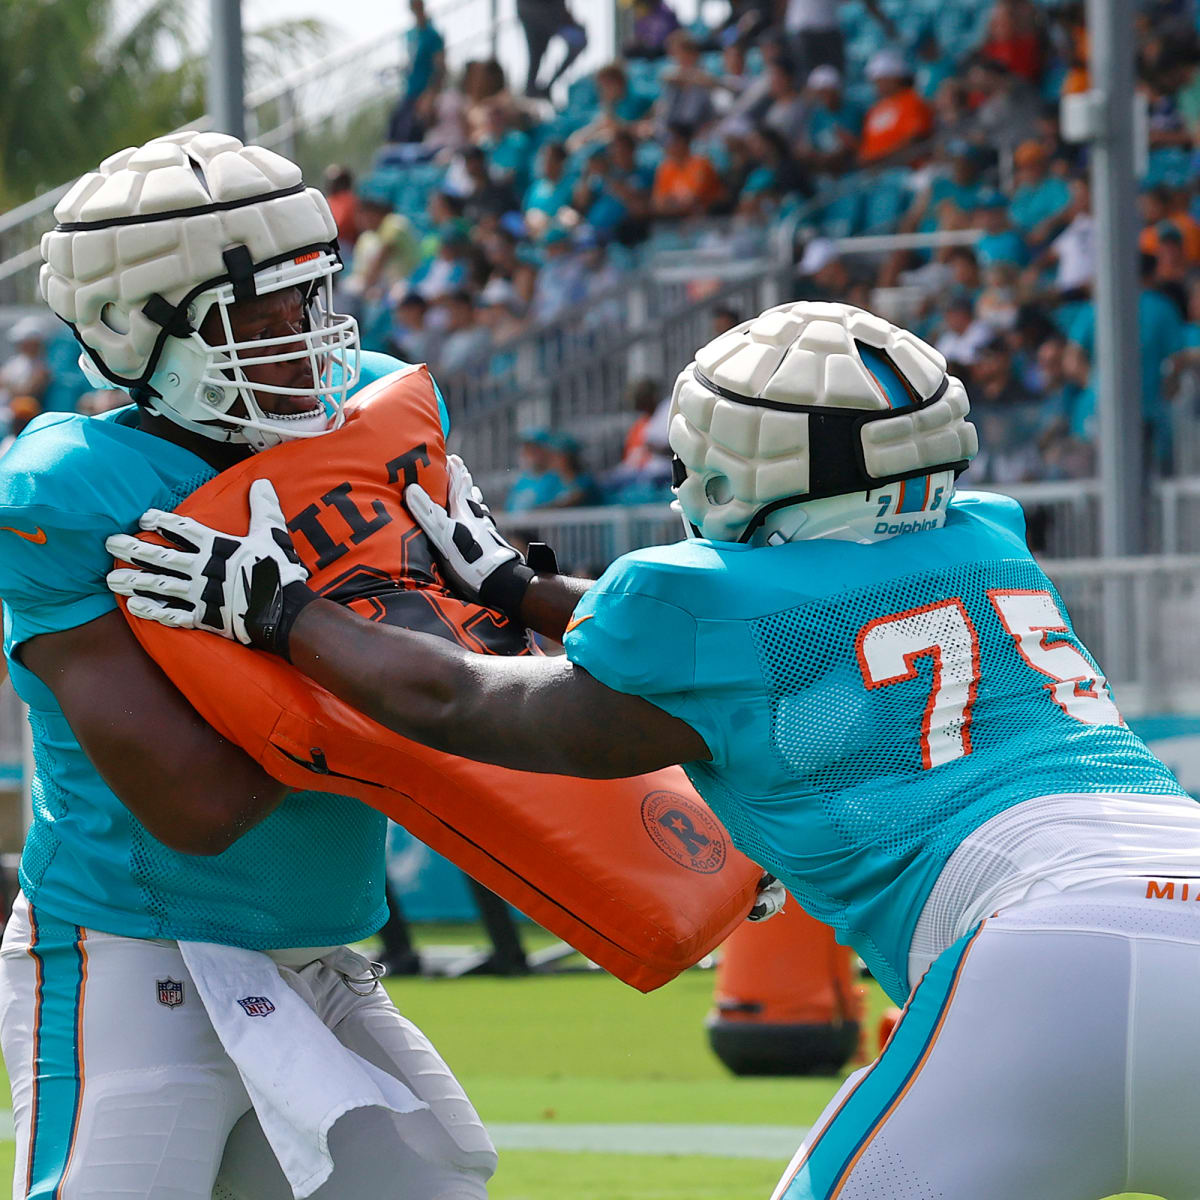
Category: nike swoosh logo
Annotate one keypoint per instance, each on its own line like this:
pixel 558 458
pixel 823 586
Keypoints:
pixel 575 622
pixel 38 539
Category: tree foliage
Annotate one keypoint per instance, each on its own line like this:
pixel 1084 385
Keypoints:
pixel 80 79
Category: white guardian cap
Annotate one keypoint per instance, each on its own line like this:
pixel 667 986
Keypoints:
pixel 817 421
pixel 157 239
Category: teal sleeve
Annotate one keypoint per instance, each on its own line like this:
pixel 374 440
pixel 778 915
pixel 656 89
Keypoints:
pixel 66 485
pixel 53 579
pixel 643 645
pixel 634 644
pixel 445 412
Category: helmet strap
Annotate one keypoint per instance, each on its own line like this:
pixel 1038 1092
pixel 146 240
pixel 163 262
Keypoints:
pixel 240 266
pixel 168 316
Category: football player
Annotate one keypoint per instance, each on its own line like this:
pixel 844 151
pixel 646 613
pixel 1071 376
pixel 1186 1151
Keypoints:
pixel 196 274
pixel 876 688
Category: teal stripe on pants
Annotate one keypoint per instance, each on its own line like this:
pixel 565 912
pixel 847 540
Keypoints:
pixel 58 950
pixel 834 1149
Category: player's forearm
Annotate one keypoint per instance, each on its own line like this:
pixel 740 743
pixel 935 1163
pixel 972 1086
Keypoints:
pixel 526 713
pixel 413 683
pixel 549 601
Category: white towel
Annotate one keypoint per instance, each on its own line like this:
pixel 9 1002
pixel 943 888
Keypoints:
pixel 299 1077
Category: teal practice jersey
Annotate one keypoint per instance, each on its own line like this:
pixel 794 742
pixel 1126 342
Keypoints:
pixel 866 706
pixel 310 874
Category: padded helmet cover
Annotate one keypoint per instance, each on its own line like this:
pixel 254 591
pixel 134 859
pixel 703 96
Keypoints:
pixel 809 401
pixel 142 252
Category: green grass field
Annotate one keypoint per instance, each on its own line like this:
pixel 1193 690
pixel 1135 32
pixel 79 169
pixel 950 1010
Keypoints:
pixel 583 1049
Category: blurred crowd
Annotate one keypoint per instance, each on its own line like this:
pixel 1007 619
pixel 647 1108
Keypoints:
pixel 492 213
pixel 40 373
pixel 1004 290
pixel 497 210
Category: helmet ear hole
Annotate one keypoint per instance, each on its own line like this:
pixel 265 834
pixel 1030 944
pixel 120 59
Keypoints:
pixel 718 490
pixel 115 319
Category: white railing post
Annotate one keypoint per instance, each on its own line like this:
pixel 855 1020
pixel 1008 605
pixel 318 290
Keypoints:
pixel 1168 499
pixel 642 351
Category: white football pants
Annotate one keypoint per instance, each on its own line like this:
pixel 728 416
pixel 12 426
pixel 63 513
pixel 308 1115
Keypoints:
pixel 1053 1054
pixel 121 1087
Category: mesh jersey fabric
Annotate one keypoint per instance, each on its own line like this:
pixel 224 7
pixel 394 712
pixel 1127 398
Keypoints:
pixel 310 874
pixel 820 776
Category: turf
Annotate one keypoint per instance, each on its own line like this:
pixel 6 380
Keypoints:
pixel 583 1049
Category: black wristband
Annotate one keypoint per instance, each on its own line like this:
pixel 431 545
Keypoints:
pixel 541 559
pixel 505 588
pixel 296 598
pixel 271 610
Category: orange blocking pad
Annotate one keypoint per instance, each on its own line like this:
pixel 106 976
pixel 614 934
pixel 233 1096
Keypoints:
pixel 636 874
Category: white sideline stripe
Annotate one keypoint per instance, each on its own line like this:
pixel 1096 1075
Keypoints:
pixel 716 1141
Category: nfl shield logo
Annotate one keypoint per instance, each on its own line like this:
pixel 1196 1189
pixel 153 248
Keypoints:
pixel 257 1006
pixel 170 992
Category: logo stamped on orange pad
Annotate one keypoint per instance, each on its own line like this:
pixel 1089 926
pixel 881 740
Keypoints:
pixel 685 832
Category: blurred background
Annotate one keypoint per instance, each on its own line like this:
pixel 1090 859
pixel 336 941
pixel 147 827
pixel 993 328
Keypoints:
pixel 554 204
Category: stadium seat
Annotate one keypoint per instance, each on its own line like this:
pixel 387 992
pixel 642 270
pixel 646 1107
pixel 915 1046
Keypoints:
pixel 582 96
pixel 884 202
pixel 842 216
pixel 1168 165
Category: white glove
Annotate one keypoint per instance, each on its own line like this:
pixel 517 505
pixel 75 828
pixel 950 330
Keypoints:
pixel 772 896
pixel 478 563
pixel 247 588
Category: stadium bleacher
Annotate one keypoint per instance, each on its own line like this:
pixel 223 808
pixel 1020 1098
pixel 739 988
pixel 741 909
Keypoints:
pixel 942 42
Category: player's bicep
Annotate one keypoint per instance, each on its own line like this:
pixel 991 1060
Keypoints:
pixel 553 717
pixel 174 772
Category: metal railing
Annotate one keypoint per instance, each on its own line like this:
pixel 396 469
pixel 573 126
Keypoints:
pixel 1062 523
pixel 1140 617
pixel 586 540
pixel 1179 515
pixel 572 375
pixel 1062 517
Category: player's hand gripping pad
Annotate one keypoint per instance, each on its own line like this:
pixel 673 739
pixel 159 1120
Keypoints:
pixel 637 874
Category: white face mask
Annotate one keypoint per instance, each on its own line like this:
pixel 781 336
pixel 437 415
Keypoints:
pixel 199 383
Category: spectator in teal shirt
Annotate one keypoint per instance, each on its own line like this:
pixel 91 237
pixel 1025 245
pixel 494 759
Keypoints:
pixel 960 190
pixel 935 67
pixel 578 488
pixel 618 107
pixel 424 50
pixel 1040 198
pixel 1160 335
pixel 550 189
pixel 1066 437
pixel 613 194
pixel 536 485
pixel 509 149
pixel 1000 242
pixel 834 126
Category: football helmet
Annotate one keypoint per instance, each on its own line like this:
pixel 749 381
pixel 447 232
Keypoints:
pixel 816 420
pixel 161 236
